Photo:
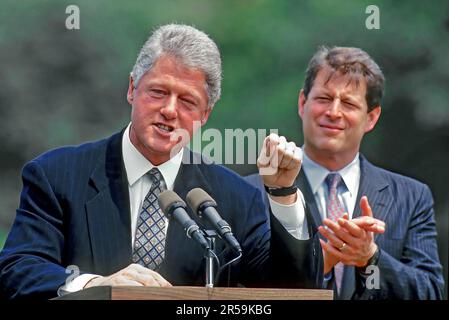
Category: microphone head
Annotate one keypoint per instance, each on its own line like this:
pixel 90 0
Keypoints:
pixel 197 197
pixel 169 201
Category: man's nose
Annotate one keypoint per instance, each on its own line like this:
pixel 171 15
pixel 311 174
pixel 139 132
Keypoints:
pixel 334 110
pixel 169 109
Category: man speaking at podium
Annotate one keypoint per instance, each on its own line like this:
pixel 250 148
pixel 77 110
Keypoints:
pixel 95 207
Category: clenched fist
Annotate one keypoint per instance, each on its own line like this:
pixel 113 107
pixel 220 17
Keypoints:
pixel 279 161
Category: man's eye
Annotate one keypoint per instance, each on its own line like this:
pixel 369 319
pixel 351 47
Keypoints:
pixel 323 98
pixel 157 93
pixel 350 104
pixel 188 102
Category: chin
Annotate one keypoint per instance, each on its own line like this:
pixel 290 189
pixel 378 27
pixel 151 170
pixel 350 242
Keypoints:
pixel 329 146
pixel 160 150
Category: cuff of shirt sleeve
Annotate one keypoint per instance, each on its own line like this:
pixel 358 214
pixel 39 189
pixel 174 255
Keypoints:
pixel 292 216
pixel 76 284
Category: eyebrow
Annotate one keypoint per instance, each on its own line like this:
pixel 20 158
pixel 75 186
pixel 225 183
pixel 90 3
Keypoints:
pixel 185 92
pixel 352 100
pixel 345 96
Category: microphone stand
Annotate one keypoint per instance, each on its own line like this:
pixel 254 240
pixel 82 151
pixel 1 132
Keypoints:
pixel 209 255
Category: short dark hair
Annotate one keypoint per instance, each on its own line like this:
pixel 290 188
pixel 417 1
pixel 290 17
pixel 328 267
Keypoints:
pixel 348 61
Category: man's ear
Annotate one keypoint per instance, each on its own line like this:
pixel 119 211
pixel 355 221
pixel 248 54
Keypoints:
pixel 301 102
pixel 373 117
pixel 130 93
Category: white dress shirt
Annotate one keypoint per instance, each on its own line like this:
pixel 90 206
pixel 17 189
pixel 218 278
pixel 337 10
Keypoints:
pixel 347 193
pixel 292 217
pixel 139 183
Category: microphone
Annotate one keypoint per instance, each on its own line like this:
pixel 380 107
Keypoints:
pixel 203 204
pixel 173 207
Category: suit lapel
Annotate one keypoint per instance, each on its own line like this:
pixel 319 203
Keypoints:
pixel 108 211
pixel 375 187
pixel 304 186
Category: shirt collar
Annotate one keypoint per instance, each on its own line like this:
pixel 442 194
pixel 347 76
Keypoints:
pixel 136 165
pixel 316 174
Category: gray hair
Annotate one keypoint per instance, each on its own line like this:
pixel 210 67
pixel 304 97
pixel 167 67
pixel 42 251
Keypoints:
pixel 191 47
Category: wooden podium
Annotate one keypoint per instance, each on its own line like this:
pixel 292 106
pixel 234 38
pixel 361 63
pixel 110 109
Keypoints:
pixel 196 293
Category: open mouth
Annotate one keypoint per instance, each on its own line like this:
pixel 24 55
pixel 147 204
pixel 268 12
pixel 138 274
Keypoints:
pixel 164 127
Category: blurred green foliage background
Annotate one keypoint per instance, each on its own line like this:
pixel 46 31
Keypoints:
pixel 62 86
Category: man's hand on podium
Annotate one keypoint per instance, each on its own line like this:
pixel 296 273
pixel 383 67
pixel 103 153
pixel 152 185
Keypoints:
pixel 132 275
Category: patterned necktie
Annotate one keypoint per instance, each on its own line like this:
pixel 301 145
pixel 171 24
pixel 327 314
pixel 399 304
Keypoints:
pixel 149 244
pixel 335 211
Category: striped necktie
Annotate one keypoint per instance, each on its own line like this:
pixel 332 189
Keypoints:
pixel 335 211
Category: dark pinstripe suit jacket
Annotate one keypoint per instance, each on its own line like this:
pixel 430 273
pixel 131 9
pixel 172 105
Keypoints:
pixel 409 266
pixel 74 210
